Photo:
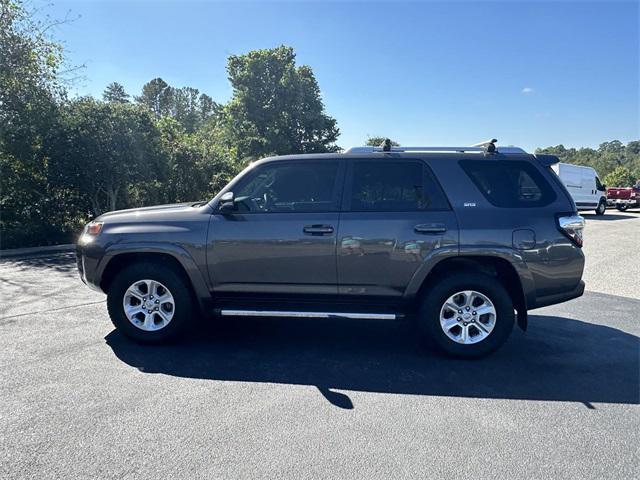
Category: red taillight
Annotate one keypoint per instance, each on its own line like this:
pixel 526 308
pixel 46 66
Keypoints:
pixel 572 227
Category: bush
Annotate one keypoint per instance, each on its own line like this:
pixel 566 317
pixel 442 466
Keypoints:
pixel 620 177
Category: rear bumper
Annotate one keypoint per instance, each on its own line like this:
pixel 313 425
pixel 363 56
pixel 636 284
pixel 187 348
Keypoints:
pixel 559 297
pixel 618 201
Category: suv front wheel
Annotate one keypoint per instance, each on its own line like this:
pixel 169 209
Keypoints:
pixel 149 303
pixel 467 315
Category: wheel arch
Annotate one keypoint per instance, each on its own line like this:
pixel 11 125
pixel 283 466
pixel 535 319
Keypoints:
pixel 180 262
pixel 495 266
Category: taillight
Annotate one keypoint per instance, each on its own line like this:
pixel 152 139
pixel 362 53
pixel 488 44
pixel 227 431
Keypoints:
pixel 572 226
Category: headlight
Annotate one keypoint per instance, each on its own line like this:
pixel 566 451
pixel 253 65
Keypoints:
pixel 93 228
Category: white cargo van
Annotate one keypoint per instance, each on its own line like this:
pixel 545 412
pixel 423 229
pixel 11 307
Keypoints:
pixel 584 186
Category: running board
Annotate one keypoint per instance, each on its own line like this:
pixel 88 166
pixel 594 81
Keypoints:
pixel 296 314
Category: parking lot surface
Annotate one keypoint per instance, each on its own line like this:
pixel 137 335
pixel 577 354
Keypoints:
pixel 321 399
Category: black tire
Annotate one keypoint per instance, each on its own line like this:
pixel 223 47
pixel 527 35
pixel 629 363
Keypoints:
pixel 602 207
pixel 434 299
pixel 182 312
pixel 622 208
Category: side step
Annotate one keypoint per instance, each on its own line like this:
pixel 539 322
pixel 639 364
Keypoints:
pixel 299 314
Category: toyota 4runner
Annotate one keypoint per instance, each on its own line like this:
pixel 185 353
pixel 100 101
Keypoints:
pixel 461 240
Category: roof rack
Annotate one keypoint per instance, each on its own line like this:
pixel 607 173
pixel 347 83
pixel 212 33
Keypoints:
pixel 482 147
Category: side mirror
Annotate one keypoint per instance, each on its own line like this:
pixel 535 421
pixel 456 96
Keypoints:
pixel 227 204
pixel 604 187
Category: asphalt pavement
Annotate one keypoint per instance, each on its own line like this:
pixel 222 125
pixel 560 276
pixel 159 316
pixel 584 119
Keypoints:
pixel 279 398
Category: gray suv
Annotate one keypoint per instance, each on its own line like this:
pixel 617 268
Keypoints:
pixel 463 241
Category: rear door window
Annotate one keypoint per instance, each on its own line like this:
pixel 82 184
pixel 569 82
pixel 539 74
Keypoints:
pixel 394 186
pixel 509 184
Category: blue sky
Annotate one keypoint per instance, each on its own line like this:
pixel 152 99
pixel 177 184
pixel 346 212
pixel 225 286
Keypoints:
pixel 423 73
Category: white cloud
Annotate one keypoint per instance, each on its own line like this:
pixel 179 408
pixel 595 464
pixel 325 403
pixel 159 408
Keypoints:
pixel 527 90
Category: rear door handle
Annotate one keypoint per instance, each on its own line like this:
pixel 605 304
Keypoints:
pixel 430 228
pixel 318 229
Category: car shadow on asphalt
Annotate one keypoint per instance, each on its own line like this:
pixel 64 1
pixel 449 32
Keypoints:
pixel 608 217
pixel 558 359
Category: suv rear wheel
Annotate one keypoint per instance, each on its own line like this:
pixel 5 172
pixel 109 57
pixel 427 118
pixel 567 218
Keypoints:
pixel 467 315
pixel 149 303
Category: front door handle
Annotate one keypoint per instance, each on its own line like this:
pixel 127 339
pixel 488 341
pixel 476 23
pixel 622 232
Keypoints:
pixel 318 229
pixel 430 228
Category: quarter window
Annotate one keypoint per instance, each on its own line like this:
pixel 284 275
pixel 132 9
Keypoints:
pixel 509 184
pixel 394 186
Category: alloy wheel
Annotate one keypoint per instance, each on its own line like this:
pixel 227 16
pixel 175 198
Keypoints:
pixel 468 317
pixel 148 305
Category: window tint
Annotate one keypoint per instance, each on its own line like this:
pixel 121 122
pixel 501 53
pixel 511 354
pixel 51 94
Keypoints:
pixel 599 185
pixel 395 185
pixel 289 187
pixel 509 184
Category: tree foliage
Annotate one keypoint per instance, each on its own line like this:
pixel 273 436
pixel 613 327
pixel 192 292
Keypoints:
pixel 620 177
pixel 109 152
pixel 607 158
pixel 29 97
pixel 187 105
pixel 63 161
pixel 115 93
pixel 276 107
pixel 157 97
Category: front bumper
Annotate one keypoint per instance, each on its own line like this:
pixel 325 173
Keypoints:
pixel 87 260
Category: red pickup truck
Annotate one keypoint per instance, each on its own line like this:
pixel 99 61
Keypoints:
pixel 624 197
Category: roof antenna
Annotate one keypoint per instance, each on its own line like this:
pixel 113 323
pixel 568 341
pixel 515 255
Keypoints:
pixel 386 145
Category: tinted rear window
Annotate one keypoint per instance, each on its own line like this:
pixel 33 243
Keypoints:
pixel 394 186
pixel 509 184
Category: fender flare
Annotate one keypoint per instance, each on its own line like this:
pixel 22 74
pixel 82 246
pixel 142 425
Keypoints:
pixel 527 284
pixel 200 288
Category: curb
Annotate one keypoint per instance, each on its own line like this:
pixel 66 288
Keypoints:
pixel 24 252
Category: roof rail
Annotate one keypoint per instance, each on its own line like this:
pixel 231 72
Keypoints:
pixel 482 147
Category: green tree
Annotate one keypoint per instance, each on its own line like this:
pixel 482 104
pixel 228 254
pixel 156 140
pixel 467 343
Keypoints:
pixel 207 108
pixel 115 93
pixel 186 168
pixel 377 141
pixel 187 105
pixel 110 153
pixel 29 92
pixel 276 106
pixel 620 177
pixel 219 156
pixel 191 108
pixel 607 158
pixel 157 96
pixel 614 146
pixel 633 148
